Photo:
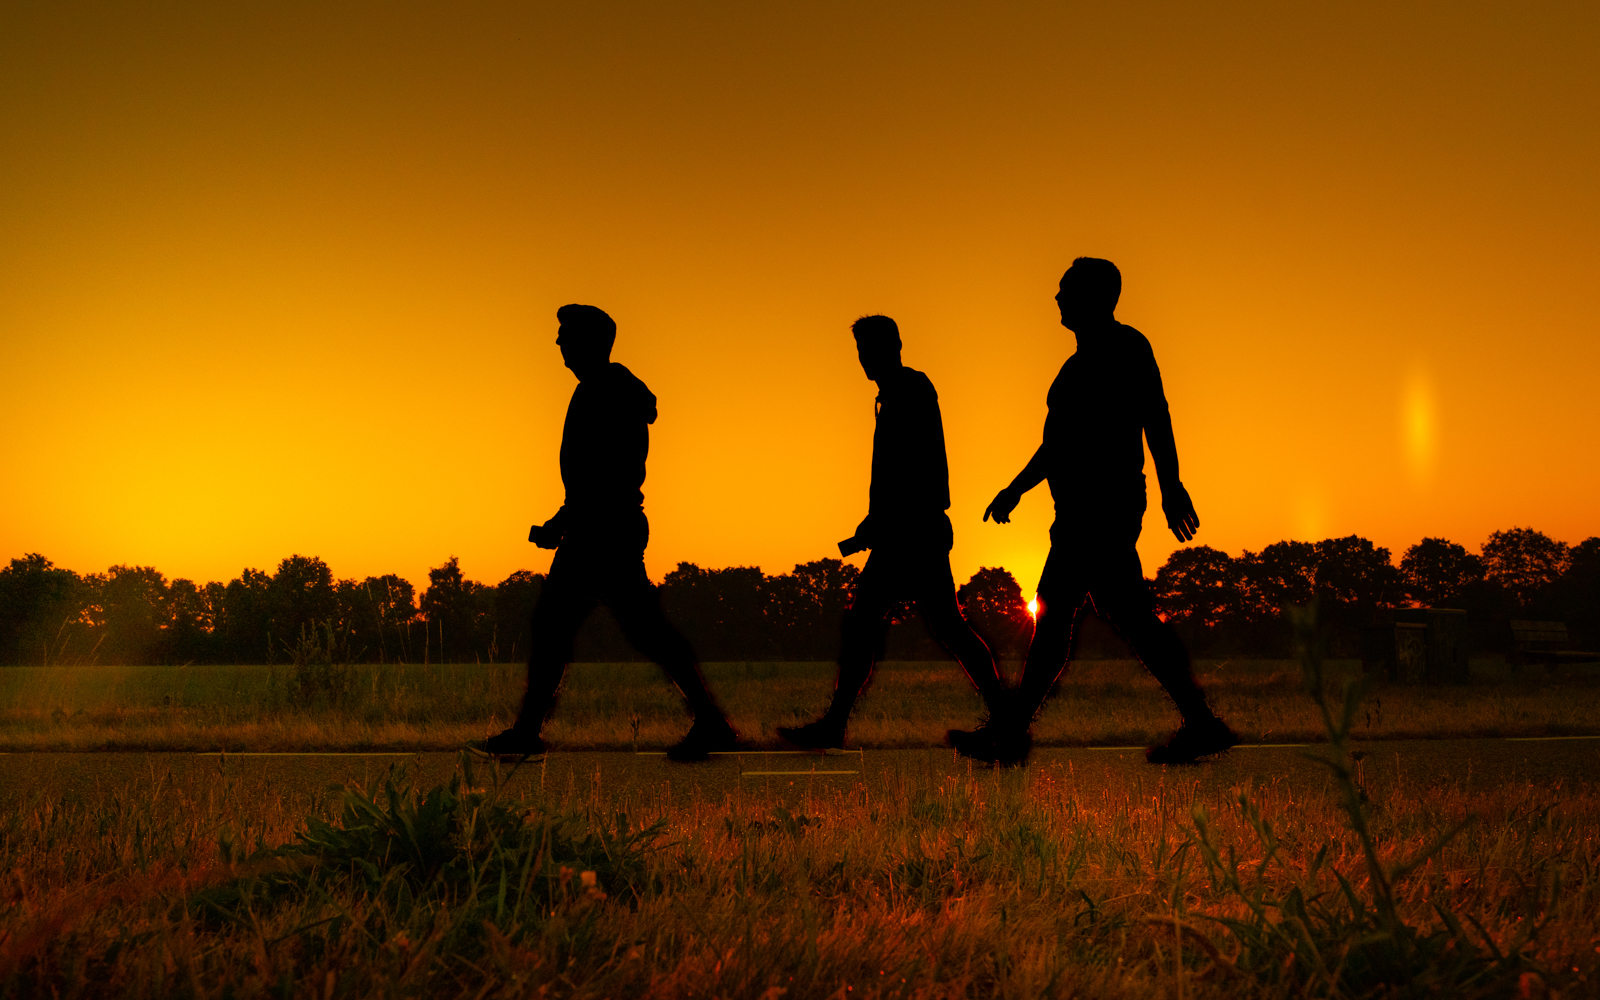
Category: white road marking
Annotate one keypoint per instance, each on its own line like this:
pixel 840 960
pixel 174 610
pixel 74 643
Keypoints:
pixel 747 774
pixel 754 753
pixel 1544 739
pixel 311 753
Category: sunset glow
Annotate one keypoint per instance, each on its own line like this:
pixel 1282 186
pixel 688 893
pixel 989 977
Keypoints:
pixel 1033 606
pixel 270 288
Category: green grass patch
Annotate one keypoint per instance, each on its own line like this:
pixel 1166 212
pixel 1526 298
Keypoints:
pixel 622 706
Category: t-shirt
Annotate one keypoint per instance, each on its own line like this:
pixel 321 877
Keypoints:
pixel 910 476
pixel 1101 404
pixel 604 444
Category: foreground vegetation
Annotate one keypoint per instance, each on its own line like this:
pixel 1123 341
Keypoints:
pixel 1010 883
pixel 627 705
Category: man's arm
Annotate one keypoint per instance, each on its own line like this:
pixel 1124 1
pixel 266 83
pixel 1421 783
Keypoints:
pixel 549 534
pixel 1007 499
pixel 860 541
pixel 1175 502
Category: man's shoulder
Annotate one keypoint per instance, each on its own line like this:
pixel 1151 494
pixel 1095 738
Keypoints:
pixel 624 392
pixel 920 382
pixel 911 384
pixel 618 374
pixel 1134 342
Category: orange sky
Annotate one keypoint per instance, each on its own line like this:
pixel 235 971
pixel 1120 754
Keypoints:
pixel 282 279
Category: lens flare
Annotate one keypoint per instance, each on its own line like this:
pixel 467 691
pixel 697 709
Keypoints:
pixel 1419 426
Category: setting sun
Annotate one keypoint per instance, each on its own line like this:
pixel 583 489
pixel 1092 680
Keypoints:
pixel 1033 606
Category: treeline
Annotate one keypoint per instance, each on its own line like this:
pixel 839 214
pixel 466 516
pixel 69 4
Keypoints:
pixel 133 614
pixel 1222 605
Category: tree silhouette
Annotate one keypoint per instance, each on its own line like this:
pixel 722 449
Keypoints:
pixel 806 607
pixel 1575 598
pixel 514 598
pixel 1357 574
pixel 134 614
pixel 190 616
pixel 246 618
pixel 41 612
pixel 993 605
pixel 1280 575
pixel 1524 562
pixel 1199 589
pixel 1436 572
pixel 455 609
pixel 300 597
pixel 722 612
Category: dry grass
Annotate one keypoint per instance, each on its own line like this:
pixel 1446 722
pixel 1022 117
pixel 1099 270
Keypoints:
pixel 1012 884
pixel 1101 702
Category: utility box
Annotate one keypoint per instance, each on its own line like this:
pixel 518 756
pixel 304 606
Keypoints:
pixel 1423 645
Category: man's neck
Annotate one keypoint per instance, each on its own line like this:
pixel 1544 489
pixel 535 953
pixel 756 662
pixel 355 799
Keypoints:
pixel 589 371
pixel 1096 332
pixel 884 378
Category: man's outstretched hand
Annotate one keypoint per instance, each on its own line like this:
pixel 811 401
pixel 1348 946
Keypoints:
pixel 544 536
pixel 1002 505
pixel 1181 516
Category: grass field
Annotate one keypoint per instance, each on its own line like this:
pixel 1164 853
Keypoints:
pixel 1019 883
pixel 627 705
pixel 993 883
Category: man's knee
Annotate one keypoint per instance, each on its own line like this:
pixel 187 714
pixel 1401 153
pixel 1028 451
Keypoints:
pixel 1055 623
pixel 947 624
pixel 662 642
pixel 862 630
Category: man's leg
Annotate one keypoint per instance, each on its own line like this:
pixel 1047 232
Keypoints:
pixel 1063 587
pixel 860 640
pixel 1127 607
pixel 936 599
pixel 564 602
pixel 862 633
pixel 637 605
pixel 1004 739
pixel 1122 597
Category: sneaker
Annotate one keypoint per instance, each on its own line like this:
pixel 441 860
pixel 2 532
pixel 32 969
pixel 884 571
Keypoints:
pixel 820 735
pixel 1193 741
pixel 703 740
pixel 992 743
pixel 509 747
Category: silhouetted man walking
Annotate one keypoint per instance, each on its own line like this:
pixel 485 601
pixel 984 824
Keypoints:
pixel 599 535
pixel 909 534
pixel 1107 398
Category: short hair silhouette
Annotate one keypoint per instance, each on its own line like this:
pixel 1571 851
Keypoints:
pixel 1098 279
pixel 589 322
pixel 876 330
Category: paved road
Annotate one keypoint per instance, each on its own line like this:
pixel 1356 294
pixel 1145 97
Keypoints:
pixel 1387 765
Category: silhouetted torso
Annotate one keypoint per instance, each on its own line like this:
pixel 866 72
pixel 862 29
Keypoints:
pixel 910 477
pixel 604 444
pixel 1106 396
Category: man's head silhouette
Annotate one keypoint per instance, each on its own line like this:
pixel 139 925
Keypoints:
pixel 1089 293
pixel 877 345
pixel 585 338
